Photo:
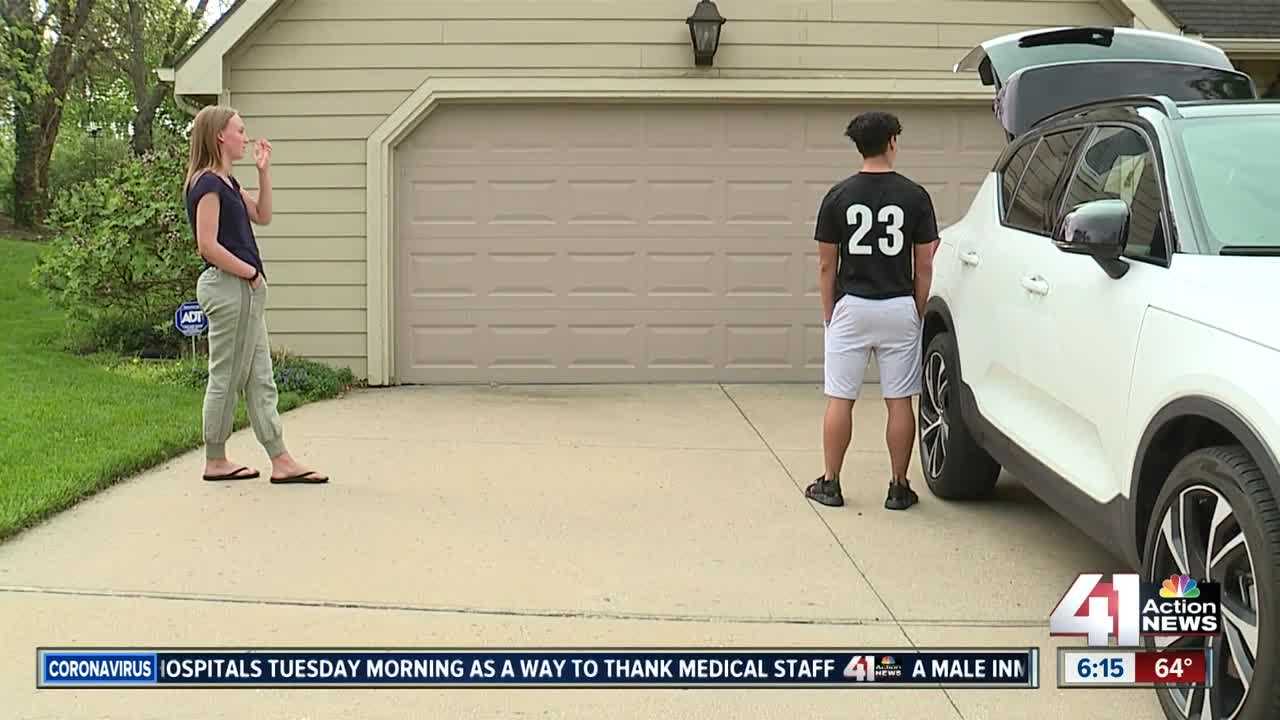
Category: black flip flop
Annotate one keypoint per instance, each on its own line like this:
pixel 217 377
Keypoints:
pixel 306 478
pixel 234 475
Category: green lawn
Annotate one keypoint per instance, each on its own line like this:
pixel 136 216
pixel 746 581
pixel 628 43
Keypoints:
pixel 69 425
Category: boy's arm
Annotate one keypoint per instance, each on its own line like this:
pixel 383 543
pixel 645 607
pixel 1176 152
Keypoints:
pixel 827 232
pixel 924 245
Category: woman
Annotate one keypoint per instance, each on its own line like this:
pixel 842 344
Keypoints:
pixel 232 291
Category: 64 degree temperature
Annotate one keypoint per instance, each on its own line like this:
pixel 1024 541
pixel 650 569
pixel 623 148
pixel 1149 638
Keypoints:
pixel 1170 667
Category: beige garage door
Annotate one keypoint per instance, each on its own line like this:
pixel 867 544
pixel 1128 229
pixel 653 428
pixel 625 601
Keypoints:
pixel 621 243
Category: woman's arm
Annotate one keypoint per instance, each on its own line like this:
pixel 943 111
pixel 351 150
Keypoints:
pixel 259 203
pixel 207 239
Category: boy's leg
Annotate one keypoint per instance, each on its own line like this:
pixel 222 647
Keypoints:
pixel 900 369
pixel 899 435
pixel 837 430
pixel 844 366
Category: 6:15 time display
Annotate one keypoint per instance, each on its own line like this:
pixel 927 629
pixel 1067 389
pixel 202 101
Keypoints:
pixel 1110 668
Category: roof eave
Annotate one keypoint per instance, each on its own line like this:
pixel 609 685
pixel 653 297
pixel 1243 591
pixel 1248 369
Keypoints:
pixel 1248 47
pixel 199 71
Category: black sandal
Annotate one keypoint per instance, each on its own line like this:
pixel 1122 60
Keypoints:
pixel 235 475
pixel 307 478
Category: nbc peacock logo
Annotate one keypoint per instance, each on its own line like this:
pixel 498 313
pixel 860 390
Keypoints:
pixel 1179 586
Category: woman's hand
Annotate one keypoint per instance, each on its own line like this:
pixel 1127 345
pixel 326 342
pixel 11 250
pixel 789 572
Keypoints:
pixel 262 153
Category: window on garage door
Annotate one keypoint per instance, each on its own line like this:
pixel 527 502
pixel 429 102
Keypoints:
pixel 1029 210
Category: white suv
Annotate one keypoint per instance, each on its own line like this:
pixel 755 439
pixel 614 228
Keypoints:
pixel 1103 324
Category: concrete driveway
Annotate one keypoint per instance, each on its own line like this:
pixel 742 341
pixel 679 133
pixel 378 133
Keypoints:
pixel 594 515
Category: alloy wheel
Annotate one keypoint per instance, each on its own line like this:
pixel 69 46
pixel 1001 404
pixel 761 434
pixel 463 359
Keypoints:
pixel 934 430
pixel 1200 536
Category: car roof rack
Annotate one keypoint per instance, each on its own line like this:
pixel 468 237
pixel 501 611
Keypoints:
pixel 1159 102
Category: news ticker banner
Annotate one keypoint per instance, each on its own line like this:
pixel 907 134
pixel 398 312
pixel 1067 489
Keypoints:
pixel 1134 667
pixel 119 668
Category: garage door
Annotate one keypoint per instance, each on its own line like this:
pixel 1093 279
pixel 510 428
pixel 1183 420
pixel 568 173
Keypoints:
pixel 624 243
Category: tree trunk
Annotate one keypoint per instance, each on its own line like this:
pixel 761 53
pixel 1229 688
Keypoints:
pixel 143 124
pixel 148 92
pixel 28 197
pixel 36 133
pixel 38 100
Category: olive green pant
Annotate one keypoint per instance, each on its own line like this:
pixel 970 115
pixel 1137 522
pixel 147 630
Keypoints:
pixel 239 362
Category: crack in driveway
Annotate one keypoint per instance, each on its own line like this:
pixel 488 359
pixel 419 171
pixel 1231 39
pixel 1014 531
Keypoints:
pixel 830 530
pixel 509 612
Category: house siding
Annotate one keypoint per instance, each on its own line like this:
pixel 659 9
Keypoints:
pixel 319 76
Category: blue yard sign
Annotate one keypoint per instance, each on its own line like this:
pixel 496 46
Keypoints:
pixel 190 319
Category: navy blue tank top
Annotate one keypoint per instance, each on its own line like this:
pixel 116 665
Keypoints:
pixel 235 232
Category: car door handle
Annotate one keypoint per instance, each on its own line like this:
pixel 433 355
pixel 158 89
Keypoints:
pixel 970 258
pixel 1035 284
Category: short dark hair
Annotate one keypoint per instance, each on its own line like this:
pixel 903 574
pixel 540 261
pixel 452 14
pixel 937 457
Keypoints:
pixel 871 132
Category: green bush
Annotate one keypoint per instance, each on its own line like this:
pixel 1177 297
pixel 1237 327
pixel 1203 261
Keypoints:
pixel 123 334
pixel 123 257
pixel 78 157
pixel 308 379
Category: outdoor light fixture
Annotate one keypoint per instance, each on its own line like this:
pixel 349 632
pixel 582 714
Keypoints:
pixel 704 29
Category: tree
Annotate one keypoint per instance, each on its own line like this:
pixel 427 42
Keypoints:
pixel 45 48
pixel 152 33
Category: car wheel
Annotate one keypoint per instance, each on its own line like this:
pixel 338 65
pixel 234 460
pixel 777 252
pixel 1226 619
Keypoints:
pixel 1216 520
pixel 954 465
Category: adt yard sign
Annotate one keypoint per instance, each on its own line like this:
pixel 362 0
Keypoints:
pixel 190 319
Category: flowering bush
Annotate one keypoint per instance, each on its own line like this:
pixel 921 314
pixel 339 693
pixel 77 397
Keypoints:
pixel 309 379
pixel 123 256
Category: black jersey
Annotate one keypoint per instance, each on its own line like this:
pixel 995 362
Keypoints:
pixel 875 218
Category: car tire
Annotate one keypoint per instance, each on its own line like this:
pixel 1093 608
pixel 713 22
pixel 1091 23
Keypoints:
pixel 954 466
pixel 1223 484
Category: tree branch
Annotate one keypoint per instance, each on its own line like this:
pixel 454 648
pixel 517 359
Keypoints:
pixel 135 34
pixel 63 68
pixel 84 58
pixel 176 42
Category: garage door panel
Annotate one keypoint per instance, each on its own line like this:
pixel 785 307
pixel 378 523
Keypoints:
pixel 843 159
pixel 681 278
pixel 528 235
pixel 646 344
pixel 620 240
pixel 550 208
pixel 633 243
pixel 534 296
pixel 575 195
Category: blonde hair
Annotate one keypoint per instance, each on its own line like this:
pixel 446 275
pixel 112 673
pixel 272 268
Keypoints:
pixel 206 154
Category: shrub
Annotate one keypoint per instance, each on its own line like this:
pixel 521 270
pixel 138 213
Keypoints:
pixel 309 379
pixel 78 158
pixel 123 257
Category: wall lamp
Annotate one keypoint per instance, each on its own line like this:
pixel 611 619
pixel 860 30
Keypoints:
pixel 704 31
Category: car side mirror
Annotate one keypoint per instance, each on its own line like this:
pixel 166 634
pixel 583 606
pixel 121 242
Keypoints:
pixel 1099 229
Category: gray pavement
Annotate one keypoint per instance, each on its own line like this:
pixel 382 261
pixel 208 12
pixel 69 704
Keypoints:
pixel 566 515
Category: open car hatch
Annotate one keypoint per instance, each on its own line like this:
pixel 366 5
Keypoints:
pixel 1039 73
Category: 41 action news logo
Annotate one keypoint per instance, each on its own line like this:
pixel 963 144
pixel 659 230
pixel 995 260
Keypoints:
pixel 864 668
pixel 1127 608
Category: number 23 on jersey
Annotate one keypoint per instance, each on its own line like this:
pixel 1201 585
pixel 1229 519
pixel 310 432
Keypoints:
pixel 861 219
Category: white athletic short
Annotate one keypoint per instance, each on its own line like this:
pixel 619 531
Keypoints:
pixel 859 327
